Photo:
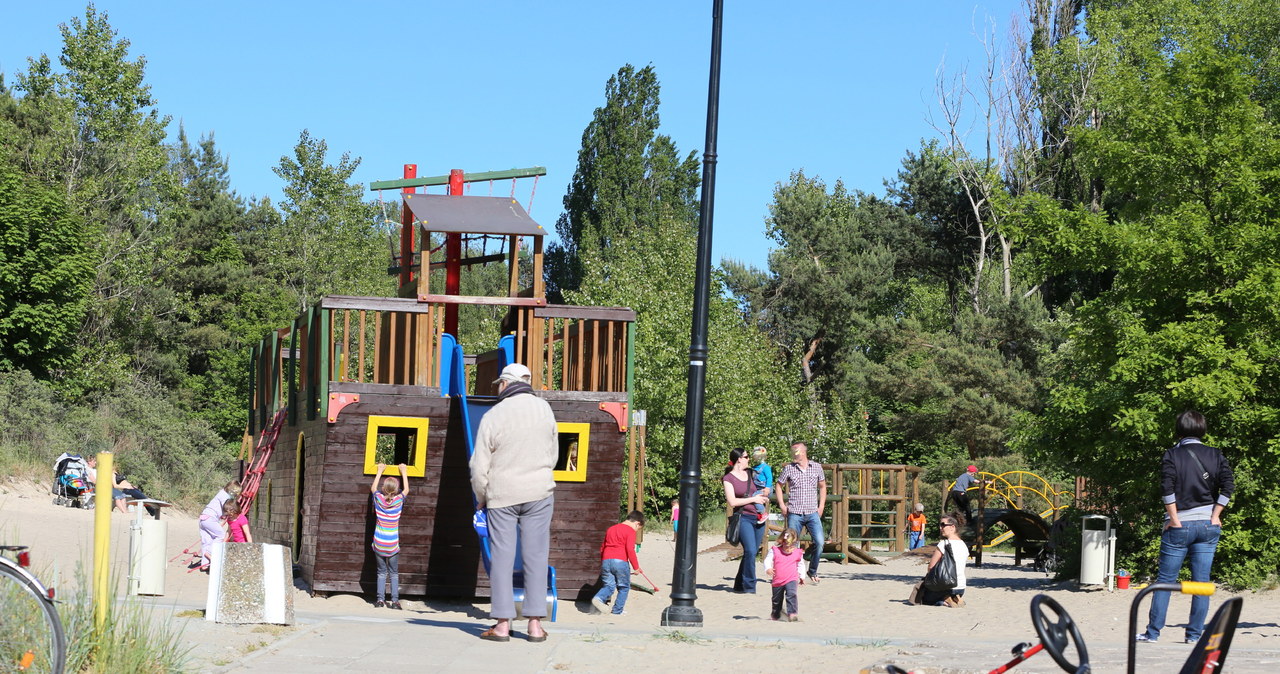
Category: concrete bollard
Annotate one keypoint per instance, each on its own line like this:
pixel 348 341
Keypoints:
pixel 250 583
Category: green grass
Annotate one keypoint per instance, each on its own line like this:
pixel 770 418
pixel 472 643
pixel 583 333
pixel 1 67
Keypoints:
pixel 130 639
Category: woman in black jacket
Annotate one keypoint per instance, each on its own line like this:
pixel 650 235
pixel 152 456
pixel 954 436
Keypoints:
pixel 1196 483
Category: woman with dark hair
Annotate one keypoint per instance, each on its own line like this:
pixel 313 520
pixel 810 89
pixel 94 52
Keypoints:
pixel 1196 484
pixel 738 491
pixel 948 541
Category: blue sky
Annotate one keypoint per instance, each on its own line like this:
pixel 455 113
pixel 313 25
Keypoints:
pixel 838 89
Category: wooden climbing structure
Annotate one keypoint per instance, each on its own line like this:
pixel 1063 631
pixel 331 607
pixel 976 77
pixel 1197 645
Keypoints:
pixel 869 506
pixel 354 381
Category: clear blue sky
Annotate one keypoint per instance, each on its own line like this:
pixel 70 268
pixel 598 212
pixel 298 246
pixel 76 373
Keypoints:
pixel 838 89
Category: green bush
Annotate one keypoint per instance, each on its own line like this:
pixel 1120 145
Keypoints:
pixel 162 449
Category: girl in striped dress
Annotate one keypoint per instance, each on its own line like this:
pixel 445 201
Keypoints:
pixel 388 502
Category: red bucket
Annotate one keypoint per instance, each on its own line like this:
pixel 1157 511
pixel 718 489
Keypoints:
pixel 1122 582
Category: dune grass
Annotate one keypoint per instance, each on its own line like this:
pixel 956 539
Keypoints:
pixel 131 639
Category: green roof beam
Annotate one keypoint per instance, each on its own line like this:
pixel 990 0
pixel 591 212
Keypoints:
pixel 466 178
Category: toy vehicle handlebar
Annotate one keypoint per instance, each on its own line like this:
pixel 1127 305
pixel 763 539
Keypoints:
pixel 1184 587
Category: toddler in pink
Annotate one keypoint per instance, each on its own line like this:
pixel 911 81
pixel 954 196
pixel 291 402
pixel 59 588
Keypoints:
pixel 237 523
pixel 782 564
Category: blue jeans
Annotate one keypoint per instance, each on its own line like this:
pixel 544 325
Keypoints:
pixel 1194 541
pixel 388 567
pixel 751 534
pixel 812 522
pixel 915 539
pixel 615 573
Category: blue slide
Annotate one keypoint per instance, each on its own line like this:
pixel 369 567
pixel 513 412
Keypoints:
pixel 453 382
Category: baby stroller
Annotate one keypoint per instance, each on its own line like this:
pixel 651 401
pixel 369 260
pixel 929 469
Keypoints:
pixel 71 486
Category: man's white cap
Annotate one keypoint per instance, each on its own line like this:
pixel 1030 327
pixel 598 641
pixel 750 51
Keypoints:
pixel 513 373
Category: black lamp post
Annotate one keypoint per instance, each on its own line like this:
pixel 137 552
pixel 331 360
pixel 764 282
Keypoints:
pixel 682 612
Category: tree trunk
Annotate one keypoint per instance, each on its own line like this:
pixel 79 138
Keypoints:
pixel 1006 259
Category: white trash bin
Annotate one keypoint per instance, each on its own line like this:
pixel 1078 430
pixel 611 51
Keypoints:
pixel 148 537
pixel 1097 550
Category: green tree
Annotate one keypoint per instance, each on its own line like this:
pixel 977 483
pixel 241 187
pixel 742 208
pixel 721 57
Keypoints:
pixel 630 231
pixel 1186 233
pixel 329 241
pixel 45 273
pixel 92 128
pixel 629 178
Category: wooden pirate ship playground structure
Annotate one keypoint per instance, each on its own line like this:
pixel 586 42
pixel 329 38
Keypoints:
pixel 357 380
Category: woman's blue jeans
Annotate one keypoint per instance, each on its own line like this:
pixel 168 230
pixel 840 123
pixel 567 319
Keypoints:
pixel 1195 542
pixel 615 573
pixel 751 533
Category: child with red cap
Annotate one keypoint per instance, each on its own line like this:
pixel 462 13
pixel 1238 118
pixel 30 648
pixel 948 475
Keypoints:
pixel 960 491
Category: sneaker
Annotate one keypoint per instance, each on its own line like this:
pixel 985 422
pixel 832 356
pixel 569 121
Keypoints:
pixel 395 605
pixel 600 605
pixel 619 613
pixel 813 579
pixel 379 604
pixel 793 618
pixel 1189 640
pixel 1143 638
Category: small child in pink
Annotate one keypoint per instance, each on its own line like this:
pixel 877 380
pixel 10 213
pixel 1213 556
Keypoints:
pixel 237 523
pixel 782 564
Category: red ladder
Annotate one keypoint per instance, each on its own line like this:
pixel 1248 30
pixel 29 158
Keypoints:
pixel 258 460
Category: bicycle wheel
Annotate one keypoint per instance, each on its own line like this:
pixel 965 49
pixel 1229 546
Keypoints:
pixel 31 638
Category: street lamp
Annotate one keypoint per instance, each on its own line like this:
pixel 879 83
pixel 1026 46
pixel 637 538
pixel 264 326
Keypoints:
pixel 682 612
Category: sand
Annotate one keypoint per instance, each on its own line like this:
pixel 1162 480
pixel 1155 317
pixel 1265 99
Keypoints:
pixel 855 618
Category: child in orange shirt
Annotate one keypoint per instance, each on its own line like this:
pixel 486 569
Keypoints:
pixel 915 528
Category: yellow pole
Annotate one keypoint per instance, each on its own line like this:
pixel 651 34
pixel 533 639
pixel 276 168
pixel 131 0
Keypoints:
pixel 102 536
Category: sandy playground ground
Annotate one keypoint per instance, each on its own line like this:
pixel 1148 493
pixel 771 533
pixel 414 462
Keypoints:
pixel 855 619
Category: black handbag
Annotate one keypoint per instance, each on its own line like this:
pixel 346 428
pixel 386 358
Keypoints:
pixel 732 535
pixel 942 576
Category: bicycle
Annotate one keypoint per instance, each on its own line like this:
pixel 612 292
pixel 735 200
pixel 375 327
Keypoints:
pixel 31 635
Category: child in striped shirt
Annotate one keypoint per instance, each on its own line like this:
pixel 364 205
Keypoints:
pixel 388 502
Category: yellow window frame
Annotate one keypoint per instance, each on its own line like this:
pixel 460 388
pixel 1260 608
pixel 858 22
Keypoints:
pixel 579 472
pixel 376 422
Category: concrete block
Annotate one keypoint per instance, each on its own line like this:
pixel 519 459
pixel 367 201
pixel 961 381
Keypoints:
pixel 250 583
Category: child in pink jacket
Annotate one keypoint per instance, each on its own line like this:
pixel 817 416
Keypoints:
pixel 782 564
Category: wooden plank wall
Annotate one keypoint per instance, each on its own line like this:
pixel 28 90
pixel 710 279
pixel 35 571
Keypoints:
pixel 343 558
pixel 440 551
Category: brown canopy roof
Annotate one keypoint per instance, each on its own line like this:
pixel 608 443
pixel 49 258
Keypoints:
pixel 472 215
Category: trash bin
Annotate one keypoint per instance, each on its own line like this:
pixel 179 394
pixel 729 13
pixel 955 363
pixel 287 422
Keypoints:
pixel 1096 549
pixel 148 536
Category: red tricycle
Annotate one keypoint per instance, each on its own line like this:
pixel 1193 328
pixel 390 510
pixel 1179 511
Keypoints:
pixel 1059 632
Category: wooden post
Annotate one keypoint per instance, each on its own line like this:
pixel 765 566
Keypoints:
pixel 982 522
pixel 902 509
pixel 631 468
pixel 360 371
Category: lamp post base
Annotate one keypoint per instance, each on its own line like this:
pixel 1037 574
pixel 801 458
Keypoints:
pixel 681 616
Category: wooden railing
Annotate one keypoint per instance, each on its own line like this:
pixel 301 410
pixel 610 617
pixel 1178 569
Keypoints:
pixel 397 341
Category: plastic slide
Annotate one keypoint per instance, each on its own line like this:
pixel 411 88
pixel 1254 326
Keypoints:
pixel 453 382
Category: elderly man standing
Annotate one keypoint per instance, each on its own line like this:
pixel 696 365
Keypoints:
pixel 806 487
pixel 516 448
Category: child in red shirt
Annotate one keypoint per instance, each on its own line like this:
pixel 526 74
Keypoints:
pixel 617 559
pixel 782 564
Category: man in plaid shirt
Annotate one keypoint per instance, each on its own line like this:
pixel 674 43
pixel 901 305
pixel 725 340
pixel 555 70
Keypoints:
pixel 807 490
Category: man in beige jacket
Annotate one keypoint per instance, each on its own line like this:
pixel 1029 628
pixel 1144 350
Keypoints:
pixel 516 448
